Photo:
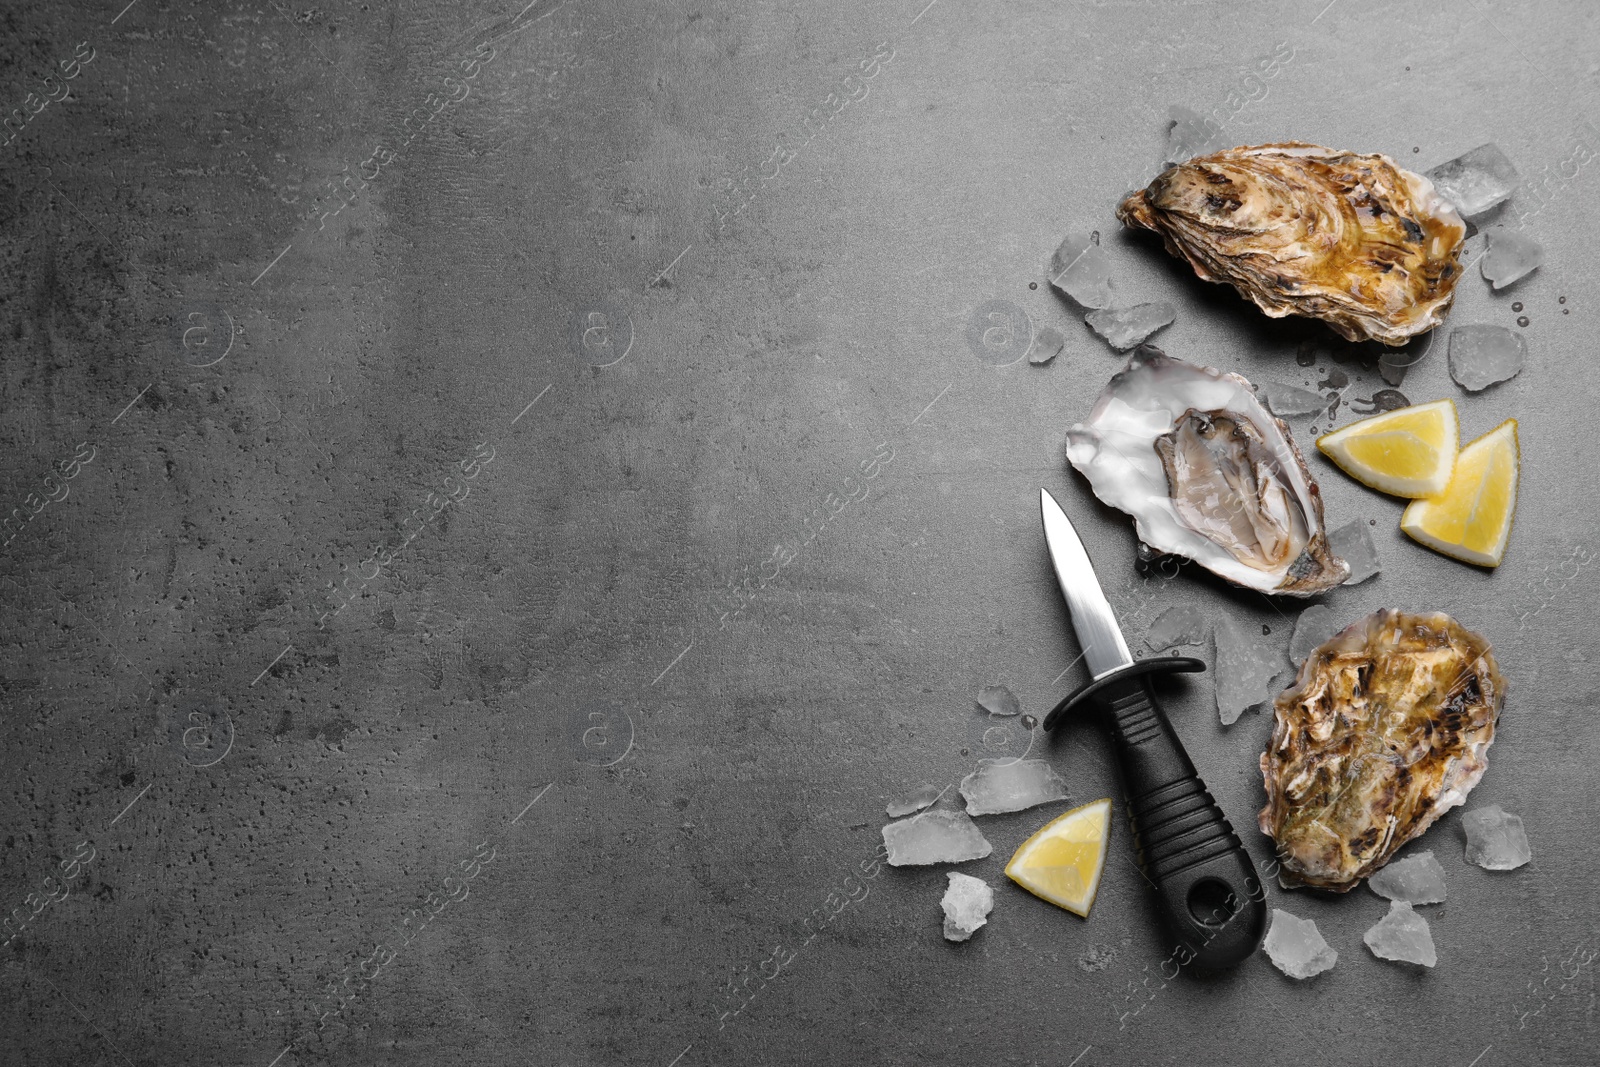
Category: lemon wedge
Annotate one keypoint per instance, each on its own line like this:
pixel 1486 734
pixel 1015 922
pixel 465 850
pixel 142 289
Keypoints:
pixel 1407 452
pixel 1471 520
pixel 1062 862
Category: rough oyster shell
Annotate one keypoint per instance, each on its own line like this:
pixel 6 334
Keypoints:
pixel 1385 729
pixel 1369 248
pixel 1207 473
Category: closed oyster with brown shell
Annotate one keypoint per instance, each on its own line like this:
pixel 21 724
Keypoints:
pixel 1385 730
pixel 1354 240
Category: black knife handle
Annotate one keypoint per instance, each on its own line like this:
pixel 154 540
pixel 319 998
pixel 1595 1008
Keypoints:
pixel 1209 894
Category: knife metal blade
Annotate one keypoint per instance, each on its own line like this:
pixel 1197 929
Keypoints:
pixel 1095 623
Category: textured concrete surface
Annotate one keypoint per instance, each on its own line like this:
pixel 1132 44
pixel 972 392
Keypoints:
pixel 500 499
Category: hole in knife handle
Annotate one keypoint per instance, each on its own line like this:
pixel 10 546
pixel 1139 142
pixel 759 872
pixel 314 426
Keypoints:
pixel 1212 902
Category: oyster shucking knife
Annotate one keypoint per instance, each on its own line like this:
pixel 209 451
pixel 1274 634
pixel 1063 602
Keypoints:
pixel 1208 891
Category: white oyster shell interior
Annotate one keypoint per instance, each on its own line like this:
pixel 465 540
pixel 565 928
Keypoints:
pixel 1255 518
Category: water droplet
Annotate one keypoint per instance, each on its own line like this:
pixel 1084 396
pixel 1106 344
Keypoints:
pixel 1566 311
pixel 1372 522
pixel 1313 429
pixel 1522 320
pixel 1033 285
pixel 1562 300
pixel 1517 306
pixel 1414 150
pixel 1265 629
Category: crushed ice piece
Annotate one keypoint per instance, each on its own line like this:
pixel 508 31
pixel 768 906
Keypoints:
pixel 1296 947
pixel 1402 935
pixel 1511 257
pixel 967 903
pixel 1191 135
pixel 1243 668
pixel 1416 880
pixel 1125 328
pixel 1481 355
pixel 912 802
pixel 998 700
pixel 1284 679
pixel 1315 625
pixel 1081 269
pixel 1002 785
pixel 1047 344
pixel 1496 840
pixel 1352 543
pixel 1097 958
pixel 1476 181
pixel 936 836
pixel 1181 625
pixel 1392 365
pixel 1289 400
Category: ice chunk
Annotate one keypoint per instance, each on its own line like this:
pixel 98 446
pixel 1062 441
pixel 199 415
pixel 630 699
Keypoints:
pixel 1181 625
pixel 1496 840
pixel 1416 880
pixel 1393 366
pixel 1402 935
pixel 1081 269
pixel 1002 785
pixel 998 700
pixel 1481 355
pixel 912 802
pixel 1125 328
pixel 1352 543
pixel 1289 400
pixel 1243 668
pixel 934 837
pixel 1477 181
pixel 1511 257
pixel 967 903
pixel 1192 134
pixel 1284 679
pixel 1296 947
pixel 1047 342
pixel 1315 625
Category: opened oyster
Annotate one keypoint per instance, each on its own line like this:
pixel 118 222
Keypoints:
pixel 1354 240
pixel 1207 473
pixel 1385 730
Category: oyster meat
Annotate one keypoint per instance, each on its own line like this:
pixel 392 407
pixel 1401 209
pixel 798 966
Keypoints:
pixel 1385 729
pixel 1297 229
pixel 1207 473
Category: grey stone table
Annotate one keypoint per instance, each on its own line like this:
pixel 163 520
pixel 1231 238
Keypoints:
pixel 500 499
